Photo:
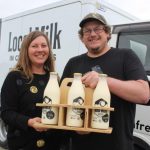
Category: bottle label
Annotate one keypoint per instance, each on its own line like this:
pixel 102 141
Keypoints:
pixel 79 112
pixel 47 100
pixel 78 101
pixel 101 115
pixel 48 113
pixel 101 102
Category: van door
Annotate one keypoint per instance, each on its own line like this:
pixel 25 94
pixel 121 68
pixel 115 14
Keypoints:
pixel 136 36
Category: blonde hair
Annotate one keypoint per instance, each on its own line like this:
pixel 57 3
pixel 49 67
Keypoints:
pixel 24 63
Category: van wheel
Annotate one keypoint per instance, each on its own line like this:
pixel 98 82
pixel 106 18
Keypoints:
pixel 3 134
pixel 139 144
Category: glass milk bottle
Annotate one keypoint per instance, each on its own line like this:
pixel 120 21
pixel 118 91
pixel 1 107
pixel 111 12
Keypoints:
pixel 101 98
pixel 76 96
pixel 51 96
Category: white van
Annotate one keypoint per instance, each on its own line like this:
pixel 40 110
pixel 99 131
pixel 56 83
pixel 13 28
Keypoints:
pixel 60 21
pixel 136 36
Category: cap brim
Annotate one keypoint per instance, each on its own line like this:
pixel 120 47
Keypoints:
pixel 88 20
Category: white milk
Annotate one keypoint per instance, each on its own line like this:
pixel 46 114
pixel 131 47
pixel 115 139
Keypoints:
pixel 101 98
pixel 76 96
pixel 51 96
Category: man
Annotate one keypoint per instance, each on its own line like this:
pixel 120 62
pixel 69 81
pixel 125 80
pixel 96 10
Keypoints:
pixel 126 80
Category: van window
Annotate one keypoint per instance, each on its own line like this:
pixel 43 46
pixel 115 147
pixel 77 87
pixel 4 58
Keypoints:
pixel 139 42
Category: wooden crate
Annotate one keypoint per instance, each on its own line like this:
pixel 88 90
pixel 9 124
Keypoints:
pixel 63 109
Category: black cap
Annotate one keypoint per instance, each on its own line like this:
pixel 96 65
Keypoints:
pixel 93 16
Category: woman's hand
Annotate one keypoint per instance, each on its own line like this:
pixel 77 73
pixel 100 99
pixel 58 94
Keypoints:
pixel 32 123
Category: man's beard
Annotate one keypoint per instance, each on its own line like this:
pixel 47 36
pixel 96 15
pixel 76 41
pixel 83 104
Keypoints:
pixel 95 50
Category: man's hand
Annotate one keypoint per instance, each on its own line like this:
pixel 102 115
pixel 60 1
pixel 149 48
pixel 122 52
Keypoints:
pixel 90 79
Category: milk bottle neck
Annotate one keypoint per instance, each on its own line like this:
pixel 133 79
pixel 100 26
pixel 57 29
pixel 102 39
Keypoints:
pixel 77 77
pixel 103 80
pixel 53 76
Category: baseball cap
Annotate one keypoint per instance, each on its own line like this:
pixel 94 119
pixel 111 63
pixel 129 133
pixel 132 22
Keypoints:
pixel 93 16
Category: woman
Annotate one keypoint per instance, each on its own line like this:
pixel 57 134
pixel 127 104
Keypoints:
pixel 22 89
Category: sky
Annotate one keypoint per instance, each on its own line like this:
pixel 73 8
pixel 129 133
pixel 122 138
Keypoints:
pixel 138 8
